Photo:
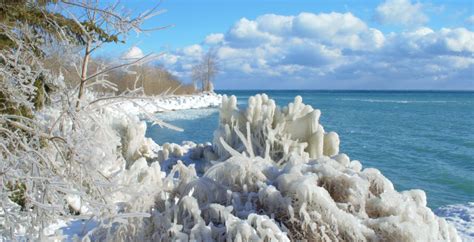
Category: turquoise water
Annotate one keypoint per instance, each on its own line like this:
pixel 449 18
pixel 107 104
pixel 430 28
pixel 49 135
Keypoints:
pixel 422 140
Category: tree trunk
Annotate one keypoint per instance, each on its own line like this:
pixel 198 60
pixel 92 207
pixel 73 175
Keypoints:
pixel 85 64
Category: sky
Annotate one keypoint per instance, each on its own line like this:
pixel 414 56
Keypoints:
pixel 303 44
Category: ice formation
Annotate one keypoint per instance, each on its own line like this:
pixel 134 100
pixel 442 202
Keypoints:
pixel 308 186
pixel 141 107
pixel 272 174
pixel 272 131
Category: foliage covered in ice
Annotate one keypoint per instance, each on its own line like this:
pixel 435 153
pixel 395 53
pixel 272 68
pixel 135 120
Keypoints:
pixel 62 150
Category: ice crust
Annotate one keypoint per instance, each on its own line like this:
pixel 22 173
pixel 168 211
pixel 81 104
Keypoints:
pixel 271 174
pixel 141 107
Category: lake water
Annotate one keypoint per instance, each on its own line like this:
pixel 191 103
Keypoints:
pixel 422 140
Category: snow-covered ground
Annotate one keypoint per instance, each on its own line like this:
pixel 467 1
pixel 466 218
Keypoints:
pixel 152 105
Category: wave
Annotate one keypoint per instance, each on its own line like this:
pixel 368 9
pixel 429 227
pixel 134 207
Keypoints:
pixel 395 101
pixel 190 114
pixel 461 216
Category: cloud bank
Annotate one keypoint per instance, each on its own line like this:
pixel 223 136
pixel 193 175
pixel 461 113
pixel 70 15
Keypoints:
pixel 335 51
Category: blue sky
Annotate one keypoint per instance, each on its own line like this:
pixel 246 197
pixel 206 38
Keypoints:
pixel 303 44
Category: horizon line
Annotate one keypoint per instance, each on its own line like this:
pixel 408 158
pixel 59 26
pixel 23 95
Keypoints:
pixel 372 90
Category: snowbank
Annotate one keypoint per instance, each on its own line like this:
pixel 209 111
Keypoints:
pixel 168 103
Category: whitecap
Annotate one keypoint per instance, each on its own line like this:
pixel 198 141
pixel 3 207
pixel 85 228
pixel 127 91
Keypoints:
pixel 461 216
pixel 394 101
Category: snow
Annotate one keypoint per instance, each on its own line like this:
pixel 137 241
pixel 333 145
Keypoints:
pixel 141 107
pixel 271 174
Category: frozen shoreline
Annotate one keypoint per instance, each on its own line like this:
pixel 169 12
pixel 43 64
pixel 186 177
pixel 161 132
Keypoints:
pixel 226 181
pixel 151 105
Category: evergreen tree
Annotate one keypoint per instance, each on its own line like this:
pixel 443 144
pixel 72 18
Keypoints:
pixel 44 24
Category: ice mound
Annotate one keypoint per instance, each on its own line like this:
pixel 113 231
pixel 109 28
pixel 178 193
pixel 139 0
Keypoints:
pixel 142 107
pixel 274 132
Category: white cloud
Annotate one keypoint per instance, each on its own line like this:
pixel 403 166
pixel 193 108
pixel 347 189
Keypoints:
pixel 214 39
pixel 343 30
pixel 305 53
pixel 333 24
pixel 226 52
pixel 133 53
pixel 193 50
pixel 338 29
pixel 333 50
pixel 456 40
pixel 425 42
pixel 275 24
pixel 245 33
pixel 168 59
pixel 400 12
